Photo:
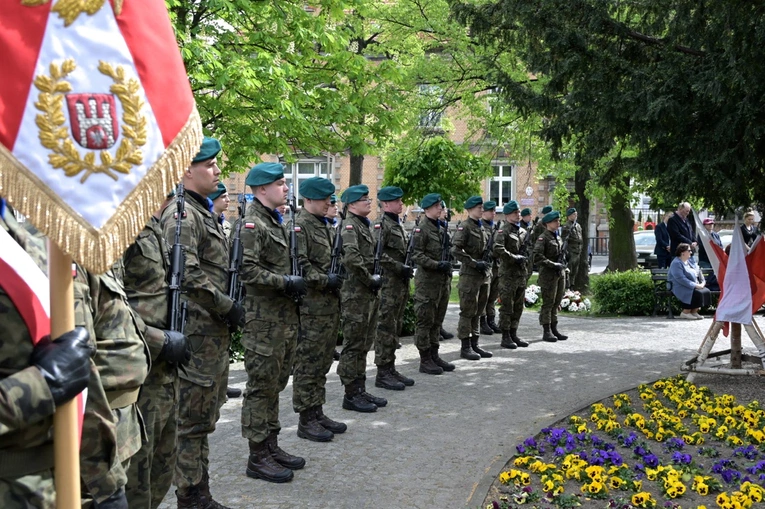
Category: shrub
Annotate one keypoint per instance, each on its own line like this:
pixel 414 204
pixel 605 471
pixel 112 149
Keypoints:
pixel 623 293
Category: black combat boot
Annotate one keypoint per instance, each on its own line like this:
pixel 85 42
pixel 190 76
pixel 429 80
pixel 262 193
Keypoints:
pixel 466 352
pixel 446 335
pixel 428 365
pixel 233 392
pixel 446 366
pixel 283 458
pixel 518 341
pixel 492 324
pixel 485 329
pixel 401 378
pixel 507 341
pixel 548 336
pixel 377 401
pixel 386 380
pixel 261 465
pixel 336 355
pixel 353 400
pixel 333 426
pixel 477 349
pixel 310 428
pixel 558 335
pixel 188 498
pixel 205 498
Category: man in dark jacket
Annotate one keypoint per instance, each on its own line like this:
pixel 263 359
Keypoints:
pixel 681 229
pixel 663 256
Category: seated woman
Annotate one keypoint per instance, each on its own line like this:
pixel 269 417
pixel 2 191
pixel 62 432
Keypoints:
pixel 690 291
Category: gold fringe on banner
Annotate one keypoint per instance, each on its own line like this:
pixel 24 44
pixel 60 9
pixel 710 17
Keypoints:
pixel 97 249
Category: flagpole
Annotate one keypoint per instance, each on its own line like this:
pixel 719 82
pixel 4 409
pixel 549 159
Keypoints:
pixel 65 433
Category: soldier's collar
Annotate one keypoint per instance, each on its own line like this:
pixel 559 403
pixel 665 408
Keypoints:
pixel 476 221
pixel 361 218
pixel 275 214
pixel 198 197
pixel 393 217
pixel 321 218
pixel 436 222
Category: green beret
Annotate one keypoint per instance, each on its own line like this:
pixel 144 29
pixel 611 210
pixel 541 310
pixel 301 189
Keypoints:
pixel 473 201
pixel 546 209
pixel 171 194
pixel 216 194
pixel 489 205
pixel 550 217
pixel 264 173
pixel 333 198
pixel 210 148
pixel 430 199
pixel 390 193
pixel 316 188
pixel 443 204
pixel 354 194
pixel 510 207
pixel 526 212
pixel 570 211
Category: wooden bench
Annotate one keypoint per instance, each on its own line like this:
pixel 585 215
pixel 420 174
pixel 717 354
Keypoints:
pixel 662 290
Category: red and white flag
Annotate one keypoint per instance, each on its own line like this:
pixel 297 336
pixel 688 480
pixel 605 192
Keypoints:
pixel 735 303
pixel 755 263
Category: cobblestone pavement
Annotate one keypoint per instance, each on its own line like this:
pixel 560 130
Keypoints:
pixel 441 442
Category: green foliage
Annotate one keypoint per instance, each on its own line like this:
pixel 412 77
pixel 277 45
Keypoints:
pixel 623 293
pixel 435 165
pixel 236 350
pixel 410 318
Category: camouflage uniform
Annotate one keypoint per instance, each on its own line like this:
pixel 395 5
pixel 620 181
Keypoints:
pixel 270 333
pixel 490 311
pixel 26 403
pixel 123 361
pixel 546 253
pixel 469 244
pixel 394 293
pixel 360 305
pixel 151 469
pixel 203 383
pixel 529 249
pixel 319 313
pixel 512 276
pixel 431 287
pixel 572 233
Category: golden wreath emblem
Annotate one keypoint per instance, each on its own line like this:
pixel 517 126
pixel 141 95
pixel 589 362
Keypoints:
pixel 69 10
pixel 90 114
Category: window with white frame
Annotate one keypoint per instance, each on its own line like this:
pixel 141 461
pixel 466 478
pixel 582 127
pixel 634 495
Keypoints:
pixel 430 116
pixel 501 184
pixel 304 169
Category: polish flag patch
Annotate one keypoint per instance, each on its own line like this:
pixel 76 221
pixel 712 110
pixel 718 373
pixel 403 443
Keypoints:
pixel 417 230
pixel 250 226
pixel 298 229
pixel 460 228
pixel 499 231
pixel 349 227
pixel 377 227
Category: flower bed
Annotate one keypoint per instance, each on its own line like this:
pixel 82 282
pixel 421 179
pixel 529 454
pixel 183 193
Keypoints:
pixel 574 302
pixel 668 444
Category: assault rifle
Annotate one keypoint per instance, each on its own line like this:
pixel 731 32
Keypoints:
pixel 377 269
pixel 489 246
pixel 410 245
pixel 177 309
pixel 446 254
pixel 525 249
pixel 235 286
pixel 335 267
pixel 296 270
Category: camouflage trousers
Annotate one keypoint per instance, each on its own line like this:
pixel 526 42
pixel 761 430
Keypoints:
pixel 29 491
pixel 360 312
pixel 512 290
pixel 393 298
pixel 313 358
pixel 268 356
pixel 491 300
pixel 574 258
pixel 552 284
pixel 202 394
pixel 474 291
pixel 151 469
pixel 430 303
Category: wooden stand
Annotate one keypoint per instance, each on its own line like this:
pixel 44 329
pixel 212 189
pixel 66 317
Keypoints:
pixel 735 367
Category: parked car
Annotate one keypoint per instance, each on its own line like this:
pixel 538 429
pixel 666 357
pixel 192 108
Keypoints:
pixel 726 236
pixel 645 242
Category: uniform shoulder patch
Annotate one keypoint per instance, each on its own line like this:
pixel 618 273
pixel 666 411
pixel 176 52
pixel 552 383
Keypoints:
pixel 377 226
pixel 349 227
pixel 298 229
pixel 499 231
pixel 74 270
pixel 417 230
pixel 175 215
pixel 249 226
pixel 460 228
pixel 541 238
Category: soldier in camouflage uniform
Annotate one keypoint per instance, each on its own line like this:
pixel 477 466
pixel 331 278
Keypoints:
pixel 488 324
pixel 538 229
pixel 272 321
pixel 475 273
pixel 528 225
pixel 147 263
pixel 432 284
pixel 331 216
pixel 210 313
pixel 394 293
pixel 547 253
pixel 35 378
pixel 319 312
pixel 360 301
pixel 508 248
pixel 572 238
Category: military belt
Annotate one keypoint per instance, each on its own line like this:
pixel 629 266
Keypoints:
pixel 120 399
pixel 18 463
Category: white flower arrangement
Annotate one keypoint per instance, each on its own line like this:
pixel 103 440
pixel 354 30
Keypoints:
pixel 532 294
pixel 573 302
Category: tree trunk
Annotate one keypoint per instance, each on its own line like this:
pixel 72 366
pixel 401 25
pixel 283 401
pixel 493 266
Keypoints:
pixel 582 175
pixel 357 166
pixel 621 242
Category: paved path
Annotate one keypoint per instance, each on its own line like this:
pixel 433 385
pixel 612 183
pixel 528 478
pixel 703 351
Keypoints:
pixel 441 442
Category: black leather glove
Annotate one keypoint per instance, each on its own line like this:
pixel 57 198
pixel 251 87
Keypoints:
pixel 176 349
pixel 116 501
pixel 294 286
pixel 407 272
pixel 334 282
pixel 444 267
pixel 481 266
pixel 519 259
pixel 375 282
pixel 64 363
pixel 559 266
pixel 235 316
